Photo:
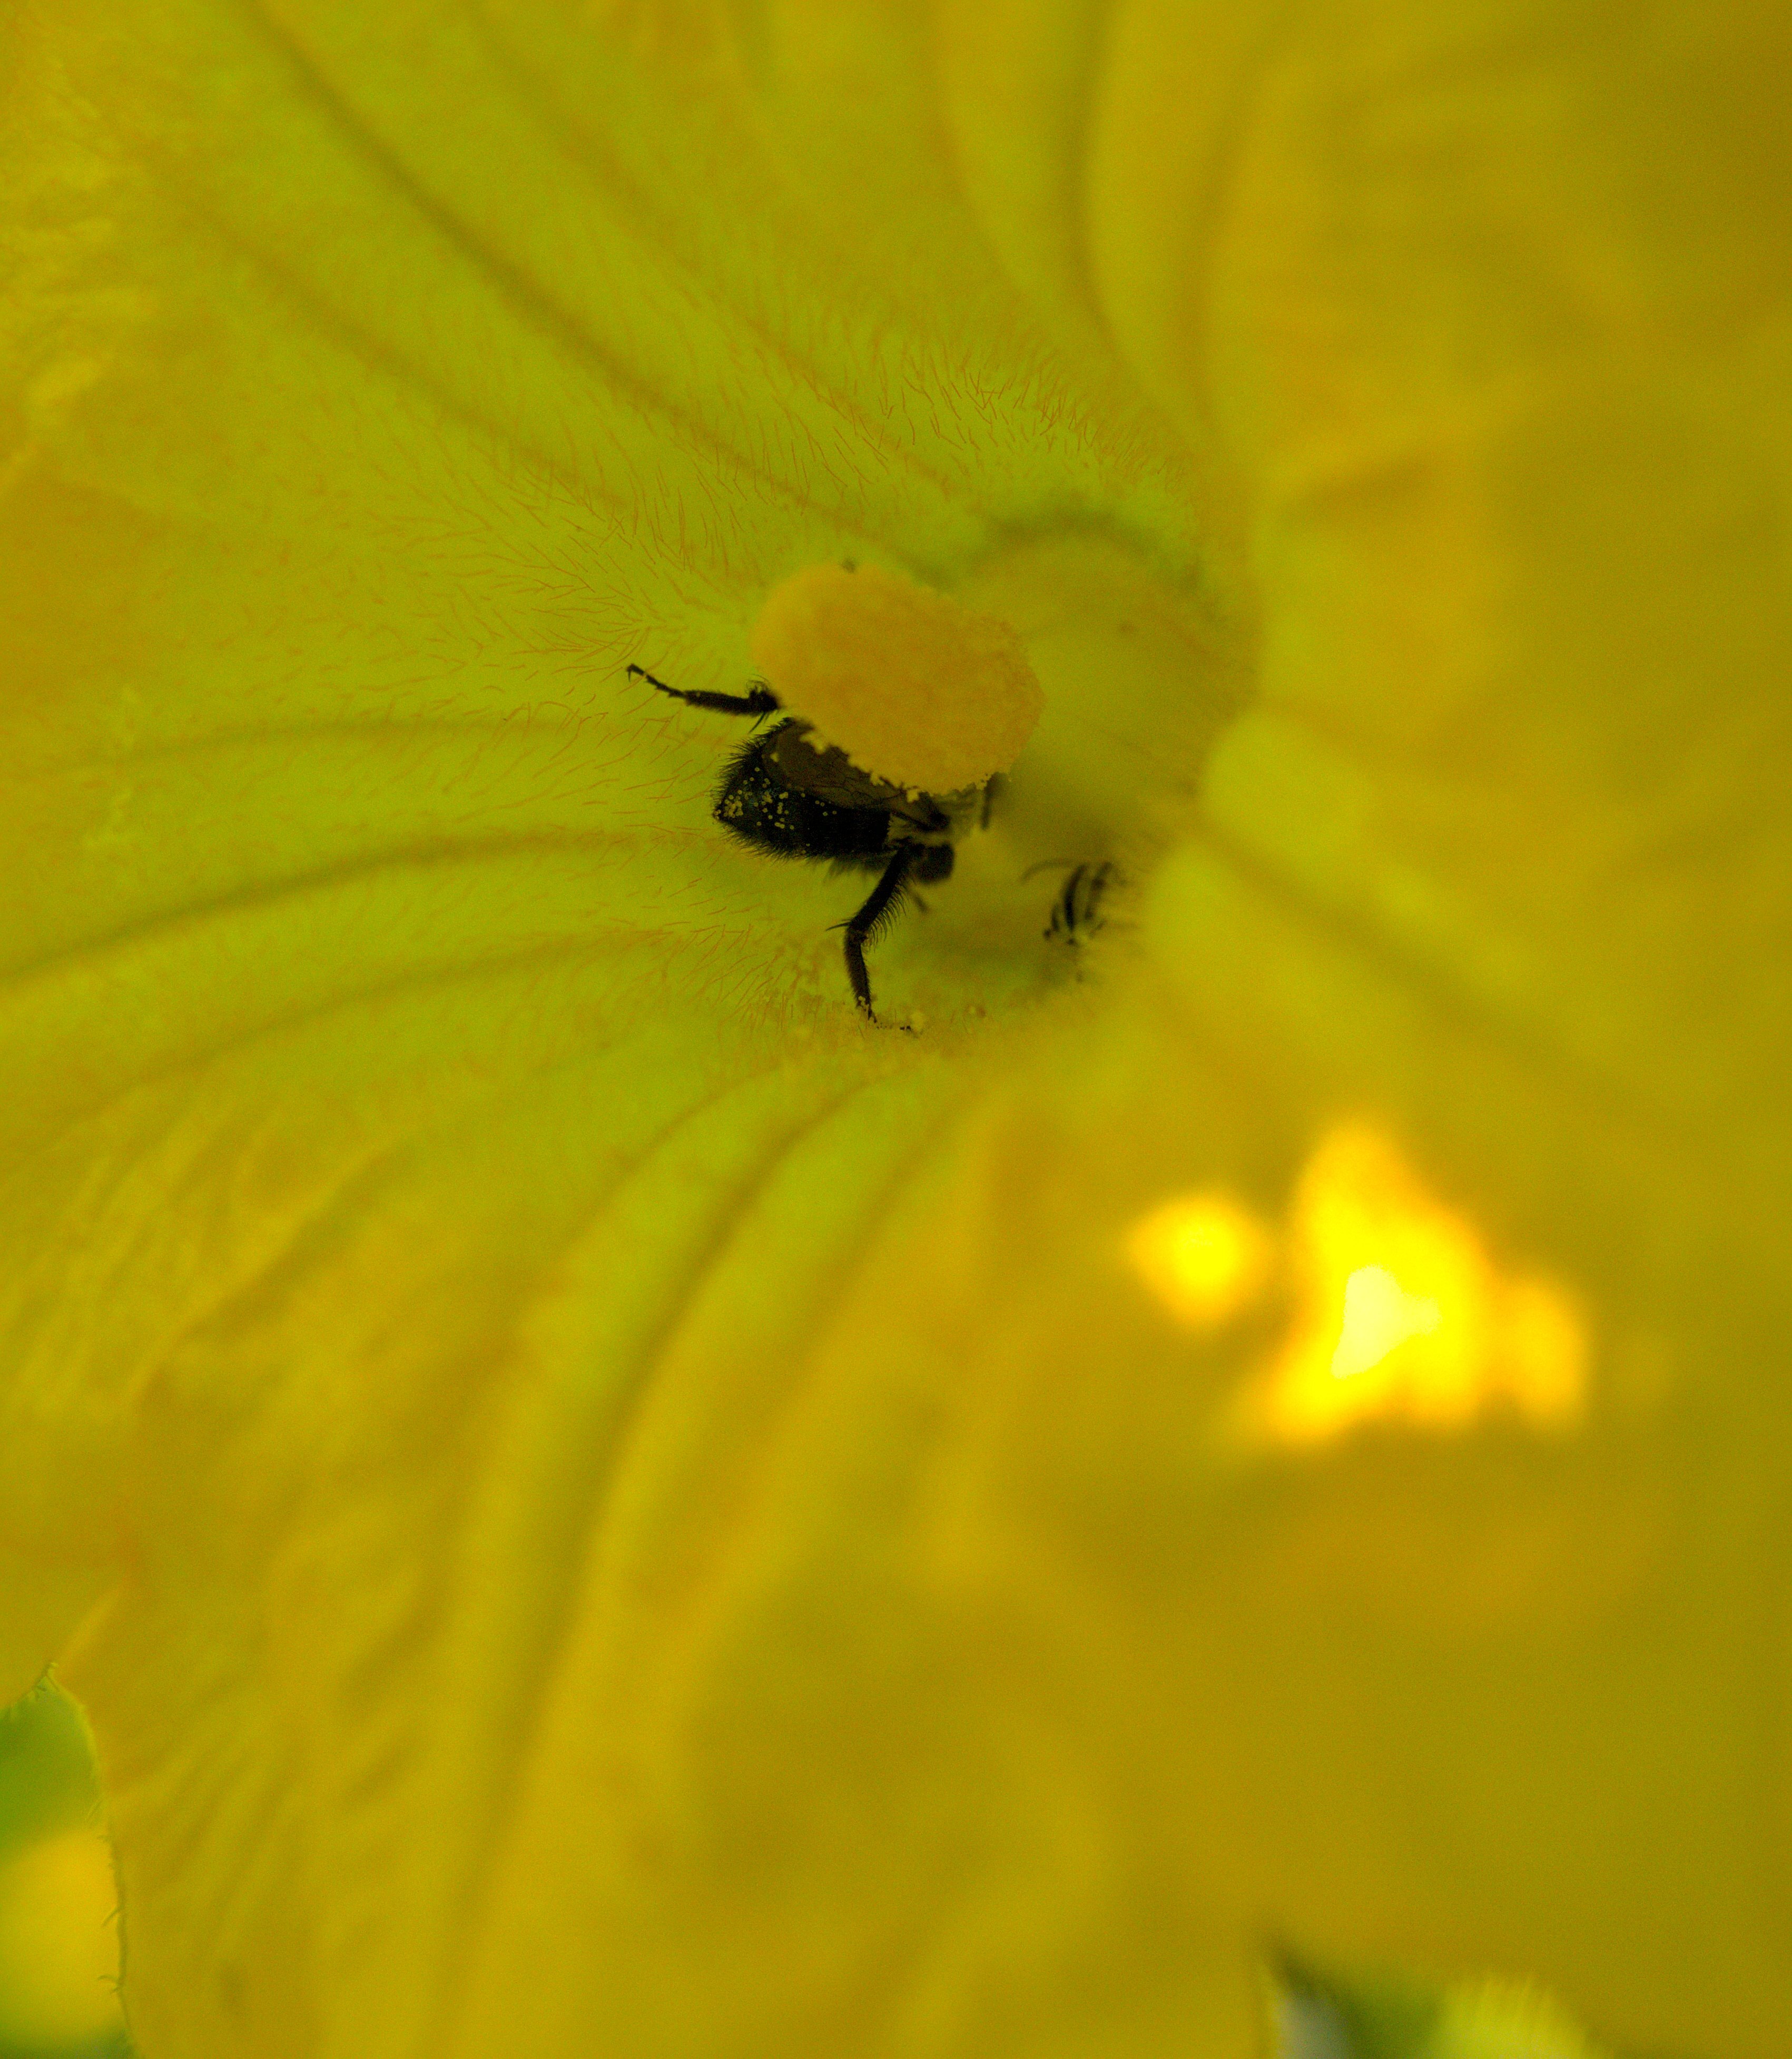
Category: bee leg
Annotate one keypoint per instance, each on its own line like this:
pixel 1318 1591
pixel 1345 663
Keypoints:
pixel 1097 879
pixel 1075 913
pixel 877 909
pixel 761 701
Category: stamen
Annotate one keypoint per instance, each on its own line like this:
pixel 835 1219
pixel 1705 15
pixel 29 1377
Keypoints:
pixel 914 688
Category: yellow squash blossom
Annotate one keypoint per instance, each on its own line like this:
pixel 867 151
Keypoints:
pixel 596 1503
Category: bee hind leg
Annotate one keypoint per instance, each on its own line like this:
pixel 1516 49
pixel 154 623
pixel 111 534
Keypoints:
pixel 880 907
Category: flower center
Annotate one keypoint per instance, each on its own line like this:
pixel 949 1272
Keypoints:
pixel 1090 682
pixel 1141 671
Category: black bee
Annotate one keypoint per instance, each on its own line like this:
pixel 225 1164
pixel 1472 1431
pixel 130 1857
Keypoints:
pixel 783 794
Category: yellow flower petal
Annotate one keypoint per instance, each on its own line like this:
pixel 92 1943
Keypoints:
pixel 629 1512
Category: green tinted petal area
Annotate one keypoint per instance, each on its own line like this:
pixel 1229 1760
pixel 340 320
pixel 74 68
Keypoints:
pixel 593 1502
pixel 58 1903
pixel 364 420
pixel 396 1053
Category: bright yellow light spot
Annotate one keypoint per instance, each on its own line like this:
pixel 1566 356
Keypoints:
pixel 1378 1316
pixel 1402 1314
pixel 913 687
pixel 58 1943
pixel 1202 1255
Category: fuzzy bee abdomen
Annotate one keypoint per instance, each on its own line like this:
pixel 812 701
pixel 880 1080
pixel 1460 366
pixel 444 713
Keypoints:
pixel 761 808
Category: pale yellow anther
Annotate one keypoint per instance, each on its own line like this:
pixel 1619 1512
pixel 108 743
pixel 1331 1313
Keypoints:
pixel 914 688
